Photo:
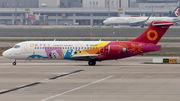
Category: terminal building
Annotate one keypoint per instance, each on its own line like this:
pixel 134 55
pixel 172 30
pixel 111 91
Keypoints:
pixel 82 12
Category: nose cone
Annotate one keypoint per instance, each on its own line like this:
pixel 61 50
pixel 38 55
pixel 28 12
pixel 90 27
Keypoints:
pixel 105 22
pixel 5 54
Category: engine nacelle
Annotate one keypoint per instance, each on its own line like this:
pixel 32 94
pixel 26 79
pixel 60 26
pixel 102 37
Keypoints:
pixel 116 50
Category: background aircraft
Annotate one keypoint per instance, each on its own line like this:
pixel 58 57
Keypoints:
pixel 91 51
pixel 174 17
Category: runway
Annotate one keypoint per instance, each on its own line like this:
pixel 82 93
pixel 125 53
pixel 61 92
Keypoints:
pixel 61 80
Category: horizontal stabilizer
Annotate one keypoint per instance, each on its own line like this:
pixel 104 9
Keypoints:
pixel 162 23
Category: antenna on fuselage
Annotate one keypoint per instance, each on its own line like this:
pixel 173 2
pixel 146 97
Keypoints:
pixel 54 39
pixel 99 39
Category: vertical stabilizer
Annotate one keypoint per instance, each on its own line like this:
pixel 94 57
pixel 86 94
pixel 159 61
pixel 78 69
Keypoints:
pixel 154 32
pixel 176 12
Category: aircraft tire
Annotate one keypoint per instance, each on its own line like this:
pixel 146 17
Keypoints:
pixel 142 26
pixel 92 63
pixel 14 63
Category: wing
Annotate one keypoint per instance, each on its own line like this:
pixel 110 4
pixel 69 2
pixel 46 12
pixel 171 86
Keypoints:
pixel 88 56
pixel 141 21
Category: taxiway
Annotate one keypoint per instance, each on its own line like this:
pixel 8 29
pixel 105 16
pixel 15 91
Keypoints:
pixel 60 80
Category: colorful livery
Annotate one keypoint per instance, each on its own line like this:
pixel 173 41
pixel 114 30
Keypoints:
pixel 91 51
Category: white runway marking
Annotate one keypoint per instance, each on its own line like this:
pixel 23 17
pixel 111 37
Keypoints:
pixel 76 88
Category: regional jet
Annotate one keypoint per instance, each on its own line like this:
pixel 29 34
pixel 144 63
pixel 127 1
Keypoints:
pixel 90 51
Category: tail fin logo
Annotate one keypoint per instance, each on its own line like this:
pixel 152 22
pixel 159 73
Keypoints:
pixel 152 35
pixel 177 12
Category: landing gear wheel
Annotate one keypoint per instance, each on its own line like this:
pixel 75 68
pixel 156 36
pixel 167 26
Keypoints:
pixel 92 63
pixel 14 63
pixel 142 26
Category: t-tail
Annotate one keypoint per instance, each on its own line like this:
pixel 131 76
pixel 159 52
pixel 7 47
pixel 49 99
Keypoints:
pixel 176 12
pixel 154 32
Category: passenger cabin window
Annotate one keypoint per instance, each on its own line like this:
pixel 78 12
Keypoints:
pixel 16 46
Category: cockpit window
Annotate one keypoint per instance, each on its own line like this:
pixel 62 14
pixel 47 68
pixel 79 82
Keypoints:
pixel 16 46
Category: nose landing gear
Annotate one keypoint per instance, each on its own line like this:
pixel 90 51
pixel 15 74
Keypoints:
pixel 14 62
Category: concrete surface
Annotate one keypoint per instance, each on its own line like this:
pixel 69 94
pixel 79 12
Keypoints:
pixel 122 80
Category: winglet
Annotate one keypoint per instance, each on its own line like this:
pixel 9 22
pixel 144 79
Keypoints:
pixel 148 18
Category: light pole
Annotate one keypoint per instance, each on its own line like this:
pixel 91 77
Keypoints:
pixel 108 9
pixel 152 11
pixel 16 2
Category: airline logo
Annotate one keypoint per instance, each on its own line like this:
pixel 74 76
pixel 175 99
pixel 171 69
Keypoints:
pixel 152 35
pixel 31 45
pixel 177 12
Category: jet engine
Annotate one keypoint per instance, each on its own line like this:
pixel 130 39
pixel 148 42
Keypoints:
pixel 116 50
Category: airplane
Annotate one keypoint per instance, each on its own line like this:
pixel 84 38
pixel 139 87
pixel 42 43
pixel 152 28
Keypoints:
pixel 90 51
pixel 174 17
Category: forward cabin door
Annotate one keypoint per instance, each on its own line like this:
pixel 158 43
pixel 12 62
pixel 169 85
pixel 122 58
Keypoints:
pixel 24 48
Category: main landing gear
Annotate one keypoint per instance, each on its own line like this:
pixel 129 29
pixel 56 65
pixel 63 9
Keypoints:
pixel 92 63
pixel 14 62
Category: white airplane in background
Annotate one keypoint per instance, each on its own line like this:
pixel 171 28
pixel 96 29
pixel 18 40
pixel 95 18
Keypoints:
pixel 91 51
pixel 174 17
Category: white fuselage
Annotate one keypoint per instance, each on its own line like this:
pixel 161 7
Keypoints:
pixel 129 20
pixel 48 49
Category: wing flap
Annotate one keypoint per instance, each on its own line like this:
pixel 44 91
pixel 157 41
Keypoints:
pixel 89 56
